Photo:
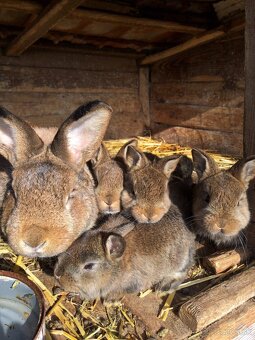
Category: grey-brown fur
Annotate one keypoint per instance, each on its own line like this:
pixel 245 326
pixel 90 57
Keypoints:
pixel 50 200
pixel 146 255
pixel 220 205
pixel 109 178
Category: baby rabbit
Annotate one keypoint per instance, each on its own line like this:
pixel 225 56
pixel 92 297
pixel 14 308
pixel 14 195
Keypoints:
pixel 220 205
pixel 147 183
pixel 114 260
pixel 50 200
pixel 109 177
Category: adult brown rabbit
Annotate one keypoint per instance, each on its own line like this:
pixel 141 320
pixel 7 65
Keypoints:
pixel 153 183
pixel 51 200
pixel 126 258
pixel 220 206
pixel 109 178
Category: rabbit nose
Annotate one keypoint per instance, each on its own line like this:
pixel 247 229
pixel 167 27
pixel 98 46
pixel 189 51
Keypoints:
pixel 34 245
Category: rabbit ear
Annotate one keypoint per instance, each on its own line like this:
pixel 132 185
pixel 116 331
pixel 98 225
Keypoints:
pixel 134 158
pixel 102 155
pixel 81 134
pixel 121 155
pixel 204 165
pixel 244 170
pixel 169 165
pixel 18 140
pixel 115 246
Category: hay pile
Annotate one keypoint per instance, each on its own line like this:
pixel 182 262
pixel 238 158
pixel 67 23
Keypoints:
pixel 74 319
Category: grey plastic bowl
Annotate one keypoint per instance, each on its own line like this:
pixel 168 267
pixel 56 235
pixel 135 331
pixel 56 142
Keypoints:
pixel 22 309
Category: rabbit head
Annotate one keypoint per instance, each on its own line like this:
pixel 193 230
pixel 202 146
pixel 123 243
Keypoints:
pixel 113 260
pixel 109 178
pixel 220 206
pixel 50 199
pixel 92 263
pixel 146 190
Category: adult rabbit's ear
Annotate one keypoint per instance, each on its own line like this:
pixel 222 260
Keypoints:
pixel 81 134
pixel 18 140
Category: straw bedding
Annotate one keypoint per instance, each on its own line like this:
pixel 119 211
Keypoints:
pixel 74 319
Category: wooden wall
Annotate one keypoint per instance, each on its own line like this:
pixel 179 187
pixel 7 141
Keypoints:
pixel 45 86
pixel 197 99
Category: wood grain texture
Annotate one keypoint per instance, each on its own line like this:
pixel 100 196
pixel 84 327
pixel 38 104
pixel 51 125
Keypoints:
pixel 199 97
pixel 45 86
pixel 224 260
pixel 196 116
pixel 144 94
pixel 203 139
pixel 187 45
pixel 201 311
pixel 177 330
pixel 238 324
pixel 41 25
pixel 249 109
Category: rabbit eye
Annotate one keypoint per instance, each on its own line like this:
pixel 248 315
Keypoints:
pixel 89 266
pixel 207 198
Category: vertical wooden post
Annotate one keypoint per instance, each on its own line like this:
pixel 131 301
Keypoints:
pixel 249 107
pixel 144 93
pixel 249 100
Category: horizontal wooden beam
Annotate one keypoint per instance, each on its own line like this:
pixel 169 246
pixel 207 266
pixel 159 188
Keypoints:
pixel 41 25
pixel 194 42
pixel 31 7
pixel 128 20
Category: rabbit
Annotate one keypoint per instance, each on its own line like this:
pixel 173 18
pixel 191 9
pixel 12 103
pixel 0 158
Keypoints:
pixel 127 257
pixel 109 177
pixel 147 184
pixel 220 205
pixel 50 199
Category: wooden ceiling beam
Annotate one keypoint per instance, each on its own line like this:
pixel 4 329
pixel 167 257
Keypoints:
pixel 194 42
pixel 134 21
pixel 55 11
pixel 29 6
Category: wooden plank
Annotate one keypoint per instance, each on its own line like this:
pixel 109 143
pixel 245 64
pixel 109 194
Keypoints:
pixel 222 60
pixel 187 45
pixel 41 25
pixel 99 16
pixel 238 324
pixel 144 94
pixel 196 116
pixel 147 308
pixel 201 311
pixel 50 109
pixel 224 260
pixel 217 93
pixel 224 142
pixel 56 80
pixel 71 59
pixel 249 107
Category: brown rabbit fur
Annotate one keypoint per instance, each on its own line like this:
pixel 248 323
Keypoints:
pixel 147 184
pixel 109 177
pixel 109 262
pixel 50 200
pixel 220 205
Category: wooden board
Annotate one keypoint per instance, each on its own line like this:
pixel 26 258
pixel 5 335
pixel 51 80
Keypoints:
pixel 249 117
pixel 239 324
pixel 201 117
pixel 216 302
pixel 199 97
pixel 45 86
pixel 224 142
